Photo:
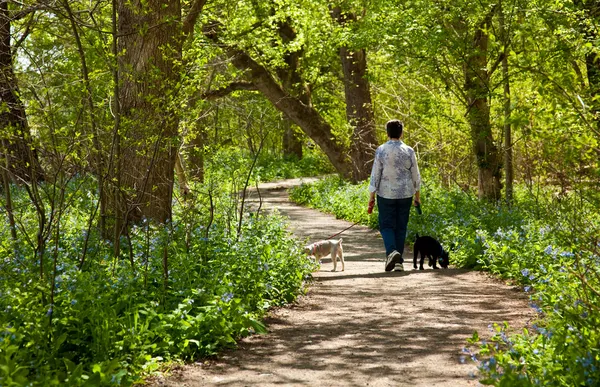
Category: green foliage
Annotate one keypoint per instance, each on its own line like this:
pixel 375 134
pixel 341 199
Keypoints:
pixel 235 163
pixel 336 196
pixel 546 244
pixel 120 317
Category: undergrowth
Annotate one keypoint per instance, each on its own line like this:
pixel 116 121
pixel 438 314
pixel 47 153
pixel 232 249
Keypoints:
pixel 177 291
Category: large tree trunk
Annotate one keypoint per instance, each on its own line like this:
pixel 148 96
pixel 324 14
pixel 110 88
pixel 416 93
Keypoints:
pixel 151 42
pixel 359 112
pixel 478 112
pixel 508 150
pixel 359 107
pixel 16 143
pixel 305 116
pixel 292 81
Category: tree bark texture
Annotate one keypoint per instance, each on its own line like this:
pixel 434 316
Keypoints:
pixel 291 81
pixel 359 106
pixel 16 142
pixel 151 45
pixel 508 149
pixel 305 116
pixel 478 113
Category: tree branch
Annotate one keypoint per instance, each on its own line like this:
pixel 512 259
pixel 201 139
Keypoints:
pixel 224 91
pixel 190 20
pixel 305 116
pixel 496 64
pixel 20 14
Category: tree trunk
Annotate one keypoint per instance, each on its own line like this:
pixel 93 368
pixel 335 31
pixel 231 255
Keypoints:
pixel 508 150
pixel 478 113
pixel 292 145
pixel 196 152
pixel 592 63
pixel 16 142
pixel 591 11
pixel 184 188
pixel 291 81
pixel 305 116
pixel 151 42
pixel 359 107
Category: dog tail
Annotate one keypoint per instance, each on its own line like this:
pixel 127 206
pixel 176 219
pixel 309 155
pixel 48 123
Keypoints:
pixel 340 241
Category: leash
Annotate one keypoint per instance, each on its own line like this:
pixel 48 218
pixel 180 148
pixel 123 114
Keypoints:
pixel 347 228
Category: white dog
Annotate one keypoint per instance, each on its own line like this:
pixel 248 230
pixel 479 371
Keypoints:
pixel 322 249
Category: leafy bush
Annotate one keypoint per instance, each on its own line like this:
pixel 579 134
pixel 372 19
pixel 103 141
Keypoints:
pixel 544 243
pixel 337 196
pixel 230 163
pixel 178 291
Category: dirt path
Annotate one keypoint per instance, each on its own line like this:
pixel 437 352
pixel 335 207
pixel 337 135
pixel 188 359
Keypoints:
pixel 363 326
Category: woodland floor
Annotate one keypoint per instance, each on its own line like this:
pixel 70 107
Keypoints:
pixel 364 326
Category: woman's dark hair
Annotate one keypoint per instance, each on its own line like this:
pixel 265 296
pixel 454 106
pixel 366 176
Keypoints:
pixel 394 128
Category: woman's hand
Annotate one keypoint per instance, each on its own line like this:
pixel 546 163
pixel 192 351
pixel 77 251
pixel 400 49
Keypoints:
pixel 371 205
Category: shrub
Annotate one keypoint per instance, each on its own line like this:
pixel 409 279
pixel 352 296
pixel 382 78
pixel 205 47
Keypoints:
pixel 119 318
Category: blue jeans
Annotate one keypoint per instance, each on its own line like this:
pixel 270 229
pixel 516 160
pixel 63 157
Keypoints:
pixel 393 222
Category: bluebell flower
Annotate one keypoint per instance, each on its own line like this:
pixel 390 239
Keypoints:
pixel 73 302
pixel 525 272
pixel 548 250
pixel 227 297
pixel 485 366
pixel 527 288
pixel 49 312
pixel 537 308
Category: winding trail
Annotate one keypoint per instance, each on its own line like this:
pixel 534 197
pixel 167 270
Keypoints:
pixel 363 326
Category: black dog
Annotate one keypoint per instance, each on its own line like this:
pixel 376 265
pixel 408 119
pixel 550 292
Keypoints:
pixel 431 248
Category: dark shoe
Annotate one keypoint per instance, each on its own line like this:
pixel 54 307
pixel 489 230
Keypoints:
pixel 392 260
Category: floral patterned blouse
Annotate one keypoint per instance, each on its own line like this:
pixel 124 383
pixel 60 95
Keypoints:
pixel 395 173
